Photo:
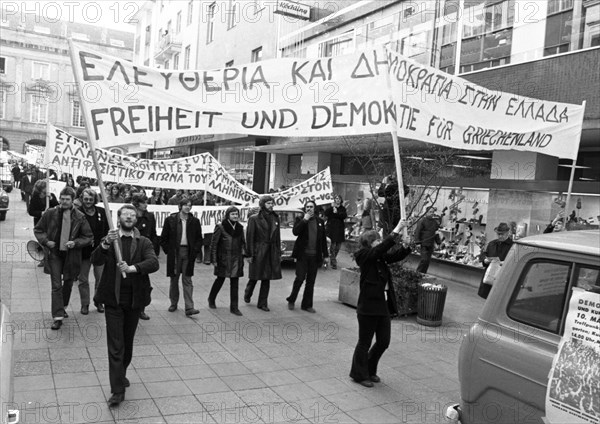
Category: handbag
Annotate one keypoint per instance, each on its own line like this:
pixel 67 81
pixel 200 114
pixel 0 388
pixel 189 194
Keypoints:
pixel 491 272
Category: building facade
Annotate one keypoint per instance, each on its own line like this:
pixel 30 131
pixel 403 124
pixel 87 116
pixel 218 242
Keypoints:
pixel 36 78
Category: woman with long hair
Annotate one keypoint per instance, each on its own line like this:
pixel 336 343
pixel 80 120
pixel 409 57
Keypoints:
pixel 37 204
pixel 227 250
pixel 114 194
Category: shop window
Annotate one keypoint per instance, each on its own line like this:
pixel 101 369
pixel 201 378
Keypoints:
pixel 294 164
pixel 558 33
pixel 540 295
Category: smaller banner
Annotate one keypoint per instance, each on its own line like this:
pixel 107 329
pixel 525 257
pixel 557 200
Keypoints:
pixel 34 155
pixel 573 389
pixel 317 188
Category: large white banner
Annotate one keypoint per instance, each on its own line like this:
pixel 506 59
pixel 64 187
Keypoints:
pixel 67 154
pixel 364 92
pixel 436 107
pixel 574 381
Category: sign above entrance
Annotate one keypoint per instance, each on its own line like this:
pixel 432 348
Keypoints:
pixel 293 9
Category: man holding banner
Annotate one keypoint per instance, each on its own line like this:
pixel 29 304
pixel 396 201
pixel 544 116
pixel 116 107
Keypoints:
pixel 181 240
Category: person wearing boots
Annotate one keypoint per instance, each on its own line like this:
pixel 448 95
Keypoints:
pixel 263 244
pixel 181 240
pixel 146 225
pixel 310 251
pixel 227 249
pixel 336 227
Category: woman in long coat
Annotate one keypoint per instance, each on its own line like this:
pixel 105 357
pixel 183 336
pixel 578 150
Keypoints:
pixel 336 227
pixel 227 249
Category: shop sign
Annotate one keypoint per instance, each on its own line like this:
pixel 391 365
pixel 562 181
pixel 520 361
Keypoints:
pixel 293 9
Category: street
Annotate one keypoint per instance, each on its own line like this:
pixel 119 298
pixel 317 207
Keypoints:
pixel 264 367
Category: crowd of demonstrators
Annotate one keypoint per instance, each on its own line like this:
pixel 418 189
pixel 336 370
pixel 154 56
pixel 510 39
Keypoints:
pixel 64 232
pixel 227 252
pixel 181 240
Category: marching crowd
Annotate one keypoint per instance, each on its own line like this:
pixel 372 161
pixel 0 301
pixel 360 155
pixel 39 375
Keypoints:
pixel 75 234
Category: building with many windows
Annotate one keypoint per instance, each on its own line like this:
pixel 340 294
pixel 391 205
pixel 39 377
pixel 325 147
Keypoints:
pixel 36 79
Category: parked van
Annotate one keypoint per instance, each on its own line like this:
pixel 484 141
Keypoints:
pixel 506 357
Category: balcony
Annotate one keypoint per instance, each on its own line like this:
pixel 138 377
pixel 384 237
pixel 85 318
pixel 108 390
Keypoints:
pixel 167 46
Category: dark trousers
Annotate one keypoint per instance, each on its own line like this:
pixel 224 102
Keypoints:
pixel 233 292
pixel 334 249
pixel 61 290
pixel 121 323
pixel 263 294
pixel 186 281
pixel 426 252
pixel 306 268
pixel 366 358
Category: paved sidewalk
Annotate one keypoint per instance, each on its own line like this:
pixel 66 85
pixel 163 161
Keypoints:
pixel 277 367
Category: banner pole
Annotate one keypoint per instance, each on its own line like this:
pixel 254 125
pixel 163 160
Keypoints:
pixel 397 159
pixel 46 155
pixel 573 166
pixel 83 105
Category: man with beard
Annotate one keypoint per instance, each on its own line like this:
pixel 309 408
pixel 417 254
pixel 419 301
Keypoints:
pixel 96 218
pixel 146 224
pixel 263 245
pixel 64 231
pixel 123 296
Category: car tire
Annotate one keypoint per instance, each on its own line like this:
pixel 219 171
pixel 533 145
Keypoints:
pixel 2 216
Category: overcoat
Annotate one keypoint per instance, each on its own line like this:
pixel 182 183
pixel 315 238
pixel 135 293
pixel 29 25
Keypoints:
pixel 264 246
pixel 227 250
pixel 335 224
pixel 170 241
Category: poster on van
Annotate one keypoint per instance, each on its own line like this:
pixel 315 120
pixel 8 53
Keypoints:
pixel 573 394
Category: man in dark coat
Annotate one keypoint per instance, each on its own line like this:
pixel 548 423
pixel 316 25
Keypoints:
pixel 497 248
pixel 16 171
pixel 227 250
pixel 64 231
pixel 336 227
pixel 310 251
pixel 96 218
pixel 181 240
pixel 390 210
pixel 146 225
pixel 123 297
pixel 425 235
pixel 263 243
pixel 27 182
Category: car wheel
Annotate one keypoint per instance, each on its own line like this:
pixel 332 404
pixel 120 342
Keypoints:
pixel 2 216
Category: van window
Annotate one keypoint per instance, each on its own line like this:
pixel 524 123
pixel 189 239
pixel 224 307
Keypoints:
pixel 540 295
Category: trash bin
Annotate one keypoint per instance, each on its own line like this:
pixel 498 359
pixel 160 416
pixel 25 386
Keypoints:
pixel 430 304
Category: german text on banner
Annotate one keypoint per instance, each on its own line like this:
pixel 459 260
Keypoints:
pixel 435 107
pixel 572 394
pixel 280 97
